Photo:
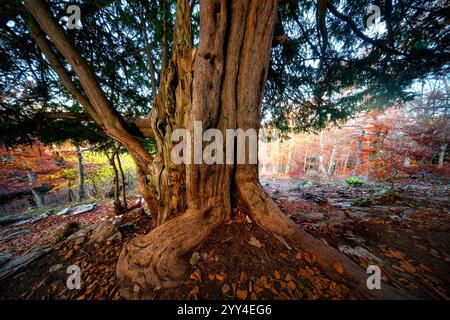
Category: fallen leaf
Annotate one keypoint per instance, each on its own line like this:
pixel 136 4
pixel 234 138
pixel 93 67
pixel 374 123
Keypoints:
pixel 288 277
pixel 211 277
pixel 225 288
pixel 257 288
pixel 196 275
pixel 396 254
pixel 234 285
pixel 307 257
pixel 263 279
pixel 265 283
pixel 194 292
pixel 291 286
pixel 221 276
pixel 241 294
pixel 298 256
pixel 68 255
pixel 303 273
pixel 407 266
pixel 435 253
pixel 277 275
pixel 425 268
pixel 338 267
pixel 255 242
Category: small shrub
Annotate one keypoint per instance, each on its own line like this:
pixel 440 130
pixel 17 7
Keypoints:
pixel 354 181
pixel 361 202
pixel 300 184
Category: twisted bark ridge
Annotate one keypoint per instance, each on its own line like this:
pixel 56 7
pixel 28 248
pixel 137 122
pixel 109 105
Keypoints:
pixel 221 84
pixel 235 40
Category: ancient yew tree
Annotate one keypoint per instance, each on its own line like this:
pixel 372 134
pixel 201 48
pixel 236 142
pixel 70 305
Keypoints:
pixel 209 62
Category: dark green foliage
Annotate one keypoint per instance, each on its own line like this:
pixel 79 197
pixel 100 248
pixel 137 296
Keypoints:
pixel 310 84
pixel 319 72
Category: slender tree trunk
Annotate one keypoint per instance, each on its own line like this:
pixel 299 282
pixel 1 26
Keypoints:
pixel 80 173
pixel 305 163
pixel 118 209
pixel 347 156
pixel 358 154
pixel 331 162
pixel 124 189
pixel 69 190
pixel 38 196
pixel 442 155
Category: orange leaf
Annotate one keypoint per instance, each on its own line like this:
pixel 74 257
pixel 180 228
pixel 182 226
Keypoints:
pixel 221 276
pixel 257 288
pixel 396 254
pixel 407 266
pixel 196 275
pixel 291 286
pixel 241 294
pixel 277 275
pixel 307 257
pixel 263 279
pixel 303 273
pixel 338 267
pixel 194 292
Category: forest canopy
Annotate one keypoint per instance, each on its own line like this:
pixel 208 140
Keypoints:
pixel 327 62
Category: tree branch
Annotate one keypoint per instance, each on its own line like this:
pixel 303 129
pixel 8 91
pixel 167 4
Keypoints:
pixel 58 67
pixel 112 121
pixel 377 43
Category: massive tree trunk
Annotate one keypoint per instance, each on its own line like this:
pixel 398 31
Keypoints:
pixel 221 84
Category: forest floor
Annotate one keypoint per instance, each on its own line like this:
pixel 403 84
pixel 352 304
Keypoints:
pixel 402 227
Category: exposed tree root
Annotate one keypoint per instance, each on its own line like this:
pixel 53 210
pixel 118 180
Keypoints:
pixel 265 212
pixel 158 259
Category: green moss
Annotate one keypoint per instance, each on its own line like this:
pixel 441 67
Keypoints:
pixel 354 181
